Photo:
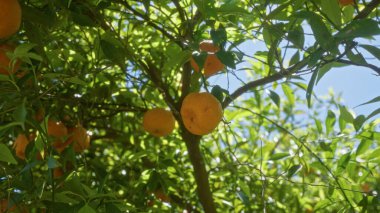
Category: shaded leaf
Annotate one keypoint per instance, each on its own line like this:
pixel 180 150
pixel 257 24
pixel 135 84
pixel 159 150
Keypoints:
pixel 358 122
pixel 293 170
pixel 274 97
pixel 377 99
pixel 359 28
pixel 278 156
pixel 6 155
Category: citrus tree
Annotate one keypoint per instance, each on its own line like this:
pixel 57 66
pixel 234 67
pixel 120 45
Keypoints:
pixel 154 106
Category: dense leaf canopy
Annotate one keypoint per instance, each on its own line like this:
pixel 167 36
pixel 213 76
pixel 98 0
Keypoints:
pixel 100 64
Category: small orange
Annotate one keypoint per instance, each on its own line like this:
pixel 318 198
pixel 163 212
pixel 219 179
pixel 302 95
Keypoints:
pixel 346 2
pixel 20 145
pixel 4 206
pixel 160 194
pixel 10 17
pixel 57 172
pixel 201 113
pixel 208 46
pixel 5 62
pixel 79 138
pixel 211 66
pixel 158 122
pixel 58 131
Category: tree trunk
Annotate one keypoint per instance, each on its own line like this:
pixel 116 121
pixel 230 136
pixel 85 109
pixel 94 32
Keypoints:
pixel 200 173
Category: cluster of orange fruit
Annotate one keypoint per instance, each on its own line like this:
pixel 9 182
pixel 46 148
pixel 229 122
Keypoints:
pixel 200 112
pixel 61 137
pixel 212 64
pixel 10 21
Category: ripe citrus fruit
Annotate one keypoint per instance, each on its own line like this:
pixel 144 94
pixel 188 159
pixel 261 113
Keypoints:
pixel 4 206
pixel 208 46
pixel 158 122
pixel 5 62
pixel 346 2
pixel 10 18
pixel 79 138
pixel 211 66
pixel 20 145
pixel 58 131
pixel 201 113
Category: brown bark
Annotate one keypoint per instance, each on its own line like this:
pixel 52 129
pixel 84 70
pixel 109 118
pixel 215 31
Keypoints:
pixel 200 173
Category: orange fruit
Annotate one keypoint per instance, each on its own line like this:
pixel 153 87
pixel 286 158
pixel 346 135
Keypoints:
pixel 79 138
pixel 211 66
pixel 160 194
pixel 40 114
pixel 5 61
pixel 208 46
pixel 346 2
pixel 201 113
pixel 20 145
pixel 10 17
pixel 158 122
pixel 57 172
pixel 58 131
pixel 4 206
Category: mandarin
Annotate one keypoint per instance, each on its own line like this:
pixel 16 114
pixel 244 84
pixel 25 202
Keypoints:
pixel 346 2
pixel 79 138
pixel 201 113
pixel 10 17
pixel 58 131
pixel 158 122
pixel 211 66
pixel 208 46
pixel 20 145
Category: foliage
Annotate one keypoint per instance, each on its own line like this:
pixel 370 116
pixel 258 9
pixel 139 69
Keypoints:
pixel 103 63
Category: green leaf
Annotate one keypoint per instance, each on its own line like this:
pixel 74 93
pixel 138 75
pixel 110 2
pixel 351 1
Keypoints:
pixel 372 49
pixel 86 209
pixel 359 28
pixel 330 121
pixel 310 87
pixel 374 113
pixel 274 97
pixel 358 122
pixel 278 156
pixel 318 124
pixel 343 161
pixel 75 80
pixel 19 114
pixel 377 99
pixel 110 207
pixel 278 10
pixel 244 198
pixel 296 36
pixel 331 9
pixel 217 91
pixel 227 58
pixel 323 70
pixel 295 58
pixel 345 114
pixel 363 146
pixel 219 36
pixel 112 52
pixel 320 31
pixel 289 93
pixel 6 154
pixel 293 170
pixel 53 163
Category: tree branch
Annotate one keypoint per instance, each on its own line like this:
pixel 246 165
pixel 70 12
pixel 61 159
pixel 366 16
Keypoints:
pixel 151 23
pixel 370 66
pixel 266 80
pixel 368 9
pixel 200 173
